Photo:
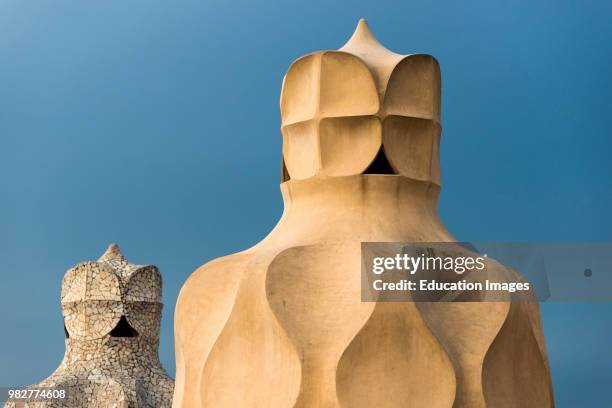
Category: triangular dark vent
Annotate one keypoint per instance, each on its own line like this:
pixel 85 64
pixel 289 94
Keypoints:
pixel 380 165
pixel 123 329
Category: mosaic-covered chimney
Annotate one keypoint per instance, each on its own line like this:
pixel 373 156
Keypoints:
pixel 112 314
pixel 282 324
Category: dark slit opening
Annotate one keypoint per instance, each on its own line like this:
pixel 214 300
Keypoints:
pixel 284 172
pixel 380 165
pixel 123 329
pixel 66 332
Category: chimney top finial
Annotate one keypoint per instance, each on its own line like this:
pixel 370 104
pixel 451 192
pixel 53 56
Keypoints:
pixel 112 252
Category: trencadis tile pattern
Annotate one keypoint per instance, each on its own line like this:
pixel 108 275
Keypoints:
pixel 112 314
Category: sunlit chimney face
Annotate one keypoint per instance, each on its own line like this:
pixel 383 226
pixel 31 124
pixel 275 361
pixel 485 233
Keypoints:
pixel 361 110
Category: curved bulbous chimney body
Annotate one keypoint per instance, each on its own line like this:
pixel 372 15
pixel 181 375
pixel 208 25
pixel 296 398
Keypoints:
pixel 282 324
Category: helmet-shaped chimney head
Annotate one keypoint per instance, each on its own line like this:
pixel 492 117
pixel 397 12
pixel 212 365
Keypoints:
pixel 112 297
pixel 344 112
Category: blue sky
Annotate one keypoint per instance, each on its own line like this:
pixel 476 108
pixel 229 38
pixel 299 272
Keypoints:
pixel 156 125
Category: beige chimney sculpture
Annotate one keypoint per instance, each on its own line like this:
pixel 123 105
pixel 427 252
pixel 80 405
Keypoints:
pixel 112 314
pixel 282 324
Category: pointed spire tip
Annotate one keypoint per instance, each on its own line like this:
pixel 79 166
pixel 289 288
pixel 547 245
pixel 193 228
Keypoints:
pixel 362 25
pixel 362 34
pixel 111 252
